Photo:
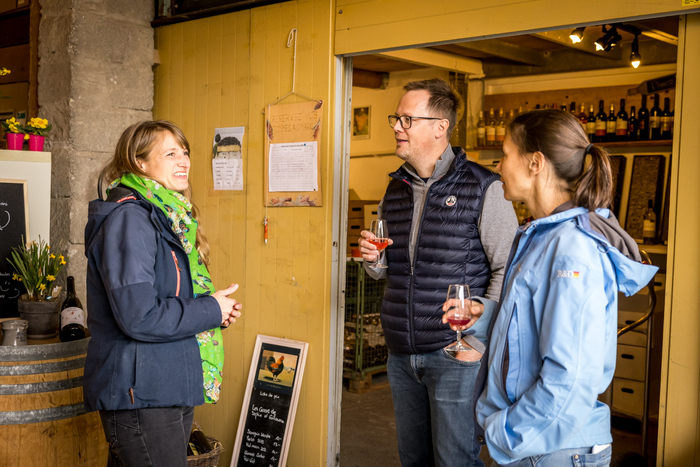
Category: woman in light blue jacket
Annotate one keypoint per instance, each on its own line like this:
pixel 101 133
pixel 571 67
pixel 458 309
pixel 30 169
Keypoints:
pixel 553 340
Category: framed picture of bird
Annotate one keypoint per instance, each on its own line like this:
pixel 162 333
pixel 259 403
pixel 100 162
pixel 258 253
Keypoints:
pixel 270 402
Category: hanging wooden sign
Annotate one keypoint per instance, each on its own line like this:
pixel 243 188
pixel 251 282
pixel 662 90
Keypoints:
pixel 292 161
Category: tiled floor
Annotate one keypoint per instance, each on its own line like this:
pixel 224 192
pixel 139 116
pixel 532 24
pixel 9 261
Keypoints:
pixel 368 433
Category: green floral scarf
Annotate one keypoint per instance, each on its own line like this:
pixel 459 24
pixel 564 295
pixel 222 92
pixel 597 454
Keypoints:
pixel 178 210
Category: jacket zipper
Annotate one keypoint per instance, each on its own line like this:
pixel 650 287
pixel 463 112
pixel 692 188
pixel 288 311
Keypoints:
pixel 177 268
pixel 413 263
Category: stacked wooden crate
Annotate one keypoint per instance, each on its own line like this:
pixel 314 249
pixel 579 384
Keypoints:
pixel 360 214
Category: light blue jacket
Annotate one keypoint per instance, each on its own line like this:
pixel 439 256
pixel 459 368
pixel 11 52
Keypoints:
pixel 557 325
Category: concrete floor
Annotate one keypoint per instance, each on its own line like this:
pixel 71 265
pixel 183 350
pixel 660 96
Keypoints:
pixel 368 432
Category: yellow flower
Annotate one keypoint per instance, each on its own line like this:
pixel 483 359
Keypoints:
pixel 52 256
pixel 13 128
pixel 42 286
pixel 62 263
pixel 4 71
pixel 50 278
pixel 15 277
pixel 48 247
pixel 26 136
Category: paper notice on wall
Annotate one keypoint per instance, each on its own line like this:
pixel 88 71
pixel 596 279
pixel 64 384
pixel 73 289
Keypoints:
pixel 293 167
pixel 227 158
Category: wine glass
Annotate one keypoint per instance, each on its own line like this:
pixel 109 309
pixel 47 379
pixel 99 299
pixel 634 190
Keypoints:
pixel 380 230
pixel 459 312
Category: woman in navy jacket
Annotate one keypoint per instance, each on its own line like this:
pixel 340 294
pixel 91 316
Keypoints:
pixel 150 322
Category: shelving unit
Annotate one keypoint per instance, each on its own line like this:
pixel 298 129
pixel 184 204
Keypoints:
pixel 613 145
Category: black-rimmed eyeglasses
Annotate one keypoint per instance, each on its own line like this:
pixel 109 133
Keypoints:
pixel 407 120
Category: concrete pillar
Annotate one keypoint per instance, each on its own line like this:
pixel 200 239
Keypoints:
pixel 95 78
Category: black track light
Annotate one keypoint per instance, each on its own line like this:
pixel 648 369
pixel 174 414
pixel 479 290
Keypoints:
pixel 635 58
pixel 609 40
pixel 576 35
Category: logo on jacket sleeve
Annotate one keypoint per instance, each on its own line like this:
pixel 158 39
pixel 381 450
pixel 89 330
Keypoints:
pixel 561 273
pixel 451 200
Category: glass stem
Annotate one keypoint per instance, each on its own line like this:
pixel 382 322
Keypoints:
pixel 459 338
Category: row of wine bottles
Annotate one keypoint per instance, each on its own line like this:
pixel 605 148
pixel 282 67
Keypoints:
pixel 654 124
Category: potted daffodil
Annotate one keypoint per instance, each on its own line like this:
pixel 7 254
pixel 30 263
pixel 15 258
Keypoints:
pixel 14 133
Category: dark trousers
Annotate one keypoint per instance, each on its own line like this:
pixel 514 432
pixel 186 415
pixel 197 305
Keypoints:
pixel 154 436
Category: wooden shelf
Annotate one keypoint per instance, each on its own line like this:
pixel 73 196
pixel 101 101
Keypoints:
pixel 617 144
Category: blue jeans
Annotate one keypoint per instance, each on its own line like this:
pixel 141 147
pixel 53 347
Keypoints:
pixel 150 437
pixel 434 400
pixel 580 457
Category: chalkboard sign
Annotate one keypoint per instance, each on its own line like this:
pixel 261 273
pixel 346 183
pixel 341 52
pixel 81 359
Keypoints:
pixel 270 403
pixel 14 226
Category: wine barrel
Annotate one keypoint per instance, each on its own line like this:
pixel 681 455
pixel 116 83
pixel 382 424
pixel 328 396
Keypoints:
pixel 42 418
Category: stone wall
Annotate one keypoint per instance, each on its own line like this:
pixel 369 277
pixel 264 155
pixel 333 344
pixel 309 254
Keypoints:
pixel 95 78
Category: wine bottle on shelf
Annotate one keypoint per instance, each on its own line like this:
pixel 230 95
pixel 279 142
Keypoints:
pixel 611 127
pixel 546 106
pixel 572 109
pixel 582 115
pixel 481 130
pixel 655 119
pixel 649 226
pixel 72 315
pixel 563 107
pixel 590 125
pixel 632 125
pixel 643 119
pixel 666 120
pixel 491 129
pixel 537 107
pixel 601 120
pixel 500 128
pixel 520 110
pixel 621 123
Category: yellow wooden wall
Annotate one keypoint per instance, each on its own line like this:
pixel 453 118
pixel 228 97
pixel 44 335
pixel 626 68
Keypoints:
pixel 220 72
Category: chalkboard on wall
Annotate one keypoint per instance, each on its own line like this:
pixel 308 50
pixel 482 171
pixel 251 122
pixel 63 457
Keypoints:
pixel 270 403
pixel 14 227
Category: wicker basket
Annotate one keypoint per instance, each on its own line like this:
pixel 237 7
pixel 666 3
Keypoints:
pixel 209 459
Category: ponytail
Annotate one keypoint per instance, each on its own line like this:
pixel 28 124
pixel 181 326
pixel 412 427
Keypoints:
pixel 595 187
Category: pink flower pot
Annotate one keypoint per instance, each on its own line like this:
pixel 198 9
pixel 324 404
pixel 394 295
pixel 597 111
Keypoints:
pixel 15 141
pixel 36 143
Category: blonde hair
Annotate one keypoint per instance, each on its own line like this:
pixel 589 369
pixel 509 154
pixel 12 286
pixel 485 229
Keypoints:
pixel 138 142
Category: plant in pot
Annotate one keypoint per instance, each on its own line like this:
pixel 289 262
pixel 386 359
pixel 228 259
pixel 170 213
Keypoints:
pixel 37 129
pixel 14 133
pixel 36 266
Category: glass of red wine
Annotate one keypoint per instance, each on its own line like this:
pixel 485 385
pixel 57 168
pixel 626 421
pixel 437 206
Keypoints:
pixel 459 312
pixel 380 230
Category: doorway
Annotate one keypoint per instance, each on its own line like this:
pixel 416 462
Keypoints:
pixel 539 68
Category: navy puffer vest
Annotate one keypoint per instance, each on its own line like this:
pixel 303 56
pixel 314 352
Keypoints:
pixel 448 251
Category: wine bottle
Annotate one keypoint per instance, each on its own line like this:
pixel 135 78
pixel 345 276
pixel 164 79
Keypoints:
pixel 563 107
pixel 643 119
pixel 655 119
pixel 590 126
pixel 491 129
pixel 582 115
pixel 481 130
pixel 500 128
pixel 200 441
pixel 72 315
pixel 601 120
pixel 611 127
pixel 649 226
pixel 572 109
pixel 511 117
pixel 632 126
pixel 666 120
pixel 621 123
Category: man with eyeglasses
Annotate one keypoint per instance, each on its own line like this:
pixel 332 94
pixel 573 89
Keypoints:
pixel 448 224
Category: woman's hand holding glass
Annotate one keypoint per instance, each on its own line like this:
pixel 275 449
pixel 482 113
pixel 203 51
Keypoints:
pixel 374 241
pixel 230 308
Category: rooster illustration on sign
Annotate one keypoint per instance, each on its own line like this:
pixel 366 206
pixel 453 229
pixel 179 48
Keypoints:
pixel 275 367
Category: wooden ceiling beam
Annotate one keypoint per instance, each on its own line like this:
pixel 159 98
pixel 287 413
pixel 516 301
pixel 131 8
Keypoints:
pixel 433 58
pixel 507 51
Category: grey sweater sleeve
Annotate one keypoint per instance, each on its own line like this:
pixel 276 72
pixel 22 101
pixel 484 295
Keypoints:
pixel 497 226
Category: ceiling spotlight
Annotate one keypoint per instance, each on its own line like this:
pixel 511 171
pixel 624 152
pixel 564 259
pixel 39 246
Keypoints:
pixel 609 40
pixel 576 35
pixel 635 58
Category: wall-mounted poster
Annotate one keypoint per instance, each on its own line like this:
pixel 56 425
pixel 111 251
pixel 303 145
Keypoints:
pixel 270 402
pixel 361 122
pixel 227 158
pixel 292 169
